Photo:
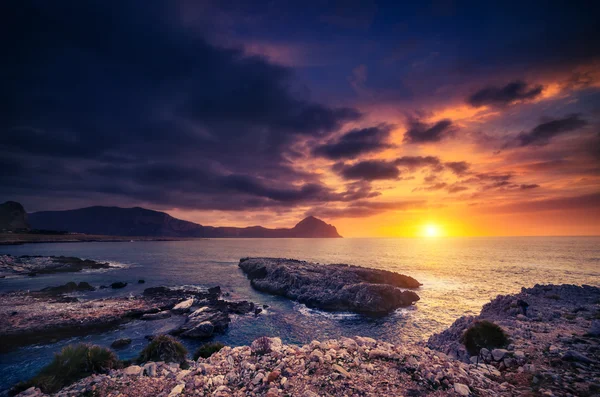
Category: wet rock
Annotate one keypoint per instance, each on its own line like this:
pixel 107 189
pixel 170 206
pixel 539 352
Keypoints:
pixel 118 285
pixel 68 288
pixel 156 316
pixel 141 281
pixel 120 343
pixel 40 265
pixel 183 307
pixel 332 287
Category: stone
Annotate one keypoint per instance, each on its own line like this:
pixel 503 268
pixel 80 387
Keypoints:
pixel 120 343
pixel 177 390
pixel 273 375
pixel 341 370
pixel 519 355
pixel 118 285
pixel 498 354
pixel 257 379
pixel 205 329
pixel 150 369
pixel 335 287
pixel 183 307
pixel 156 316
pixel 462 389
pixel 182 374
pixel 133 370
pixel 572 355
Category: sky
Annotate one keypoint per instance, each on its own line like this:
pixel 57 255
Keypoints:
pixel 384 119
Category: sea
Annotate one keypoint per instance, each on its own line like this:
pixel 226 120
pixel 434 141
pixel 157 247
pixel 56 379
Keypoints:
pixel 459 275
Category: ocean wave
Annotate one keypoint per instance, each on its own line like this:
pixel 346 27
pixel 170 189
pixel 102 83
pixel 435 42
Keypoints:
pixel 307 311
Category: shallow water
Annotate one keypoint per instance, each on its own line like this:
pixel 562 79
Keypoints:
pixel 459 275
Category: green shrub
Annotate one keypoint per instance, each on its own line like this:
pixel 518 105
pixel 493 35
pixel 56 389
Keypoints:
pixel 74 362
pixel 163 348
pixel 484 334
pixel 208 349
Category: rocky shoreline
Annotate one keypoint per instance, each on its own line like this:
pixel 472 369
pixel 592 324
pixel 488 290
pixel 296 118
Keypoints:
pixel 27 265
pixel 553 351
pixel 335 287
pixel 49 314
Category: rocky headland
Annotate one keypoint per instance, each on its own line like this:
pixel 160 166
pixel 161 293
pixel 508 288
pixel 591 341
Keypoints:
pixel 335 287
pixel 50 314
pixel 26 265
pixel 552 351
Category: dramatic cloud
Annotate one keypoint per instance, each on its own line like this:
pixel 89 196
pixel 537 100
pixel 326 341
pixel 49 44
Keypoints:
pixel 413 163
pixel 356 142
pixel 458 167
pixel 529 186
pixel 502 96
pixel 419 132
pixel 362 209
pixel 163 109
pixel 544 132
pixel 369 170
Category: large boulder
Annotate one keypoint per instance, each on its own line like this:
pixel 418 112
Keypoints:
pixel 335 287
pixel 203 322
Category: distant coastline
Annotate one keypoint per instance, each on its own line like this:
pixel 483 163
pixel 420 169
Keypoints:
pixel 27 238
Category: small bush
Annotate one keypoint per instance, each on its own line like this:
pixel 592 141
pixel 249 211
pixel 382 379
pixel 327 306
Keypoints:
pixel 208 349
pixel 484 334
pixel 163 348
pixel 261 346
pixel 553 297
pixel 74 362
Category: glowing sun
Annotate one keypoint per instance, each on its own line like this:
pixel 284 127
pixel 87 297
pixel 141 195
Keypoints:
pixel 431 230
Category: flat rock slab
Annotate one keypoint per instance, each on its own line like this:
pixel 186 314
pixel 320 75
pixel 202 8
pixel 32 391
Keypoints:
pixel 35 265
pixel 336 287
pixel 41 316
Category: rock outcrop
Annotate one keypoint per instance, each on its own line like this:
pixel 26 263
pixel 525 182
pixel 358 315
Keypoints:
pixel 551 352
pixel 335 287
pixel 40 316
pixel 13 217
pixel 35 265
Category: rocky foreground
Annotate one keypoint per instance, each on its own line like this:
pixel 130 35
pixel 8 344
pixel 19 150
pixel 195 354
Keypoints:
pixel 553 351
pixel 335 287
pixel 27 265
pixel 50 314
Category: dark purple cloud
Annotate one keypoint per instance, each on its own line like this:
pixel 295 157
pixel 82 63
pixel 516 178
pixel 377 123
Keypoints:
pixel 146 111
pixel 544 132
pixel 502 96
pixel 413 163
pixel 419 132
pixel 356 143
pixel 369 170
pixel 458 167
pixel 362 209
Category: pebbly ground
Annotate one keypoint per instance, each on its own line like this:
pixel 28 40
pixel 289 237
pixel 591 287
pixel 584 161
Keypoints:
pixel 554 351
